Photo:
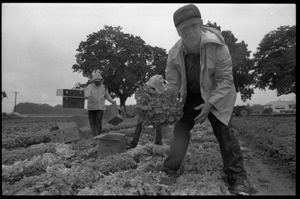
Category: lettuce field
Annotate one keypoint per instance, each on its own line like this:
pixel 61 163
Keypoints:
pixel 33 165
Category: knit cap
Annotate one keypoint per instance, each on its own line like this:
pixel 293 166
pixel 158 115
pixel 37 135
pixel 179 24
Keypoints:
pixel 186 15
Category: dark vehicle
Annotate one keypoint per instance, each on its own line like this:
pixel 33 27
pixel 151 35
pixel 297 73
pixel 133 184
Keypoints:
pixel 242 111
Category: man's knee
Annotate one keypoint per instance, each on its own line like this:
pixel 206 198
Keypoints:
pixel 182 129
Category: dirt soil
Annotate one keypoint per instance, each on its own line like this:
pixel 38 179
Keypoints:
pixel 265 177
pixel 266 180
pixel 265 172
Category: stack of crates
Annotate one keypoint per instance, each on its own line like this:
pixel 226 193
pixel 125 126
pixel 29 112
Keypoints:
pixel 72 98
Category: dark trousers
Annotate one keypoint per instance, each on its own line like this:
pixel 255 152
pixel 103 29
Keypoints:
pixel 95 118
pixel 229 146
pixel 138 130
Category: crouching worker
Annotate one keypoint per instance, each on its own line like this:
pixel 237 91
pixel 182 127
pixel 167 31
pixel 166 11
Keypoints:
pixel 138 130
pixel 156 83
pixel 97 93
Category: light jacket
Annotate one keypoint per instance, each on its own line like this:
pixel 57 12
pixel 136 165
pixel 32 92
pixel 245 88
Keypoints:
pixel 216 79
pixel 96 96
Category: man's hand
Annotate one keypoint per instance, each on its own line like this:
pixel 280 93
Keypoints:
pixel 205 109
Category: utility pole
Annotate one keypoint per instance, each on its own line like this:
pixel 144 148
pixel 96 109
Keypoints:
pixel 16 101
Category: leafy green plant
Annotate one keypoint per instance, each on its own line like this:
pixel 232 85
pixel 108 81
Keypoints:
pixel 74 169
pixel 26 140
pixel 34 166
pixel 9 157
pixel 274 137
pixel 158 108
pixel 114 163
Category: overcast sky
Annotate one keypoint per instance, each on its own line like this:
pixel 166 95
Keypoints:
pixel 39 41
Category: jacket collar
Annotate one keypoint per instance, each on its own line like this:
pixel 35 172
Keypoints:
pixel 94 85
pixel 209 35
pixel 212 35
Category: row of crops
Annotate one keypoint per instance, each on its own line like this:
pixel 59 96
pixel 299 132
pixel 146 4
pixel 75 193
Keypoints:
pixel 274 138
pixel 32 165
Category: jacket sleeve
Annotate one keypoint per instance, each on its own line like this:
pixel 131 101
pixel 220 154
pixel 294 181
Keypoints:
pixel 107 96
pixel 223 76
pixel 172 76
pixel 87 92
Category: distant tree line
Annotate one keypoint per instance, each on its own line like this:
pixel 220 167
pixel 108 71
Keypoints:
pixel 33 108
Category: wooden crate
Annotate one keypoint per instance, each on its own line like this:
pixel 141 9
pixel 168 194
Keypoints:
pixel 56 136
pixel 116 120
pixel 73 102
pixel 85 132
pixel 73 93
pixel 70 134
pixel 69 131
pixel 110 144
pixel 80 120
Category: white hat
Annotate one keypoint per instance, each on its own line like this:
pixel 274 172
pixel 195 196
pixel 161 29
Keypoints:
pixel 156 82
pixel 97 77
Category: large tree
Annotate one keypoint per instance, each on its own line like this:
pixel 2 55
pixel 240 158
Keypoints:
pixel 124 59
pixel 275 61
pixel 241 63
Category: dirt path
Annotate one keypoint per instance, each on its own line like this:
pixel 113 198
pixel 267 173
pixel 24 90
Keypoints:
pixel 265 179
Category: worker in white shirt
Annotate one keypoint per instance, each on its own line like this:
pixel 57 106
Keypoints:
pixel 96 94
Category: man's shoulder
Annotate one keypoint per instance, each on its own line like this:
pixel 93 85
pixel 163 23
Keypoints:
pixel 175 48
pixel 212 29
pixel 89 86
pixel 212 35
